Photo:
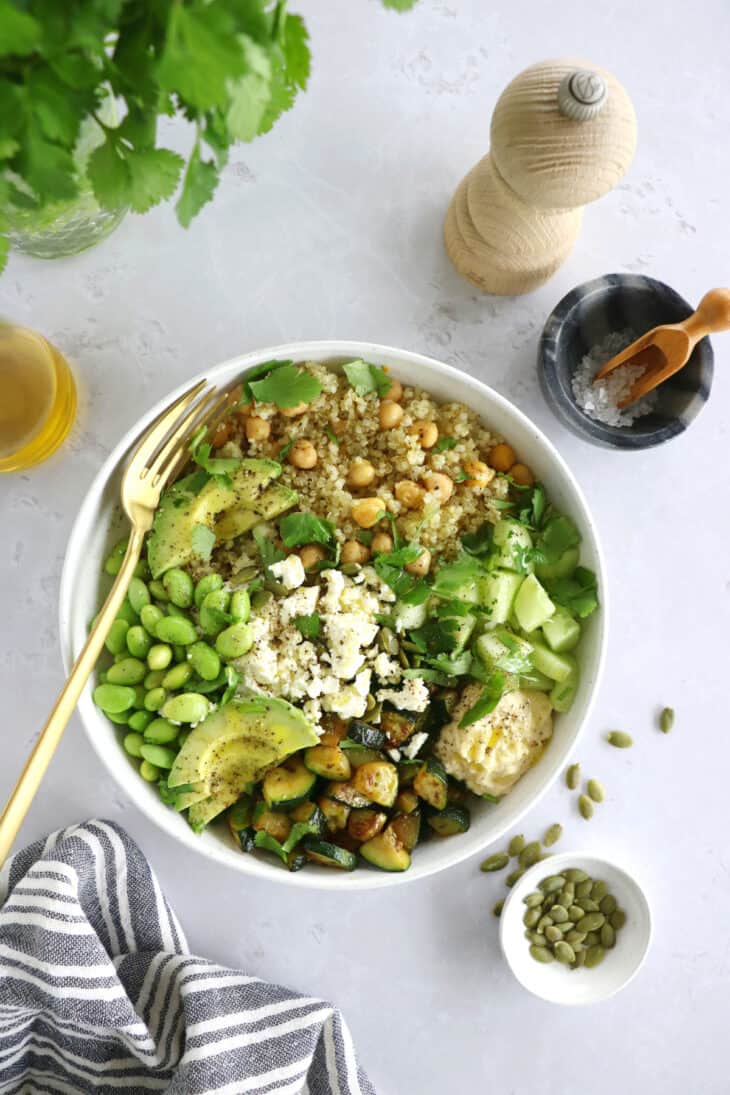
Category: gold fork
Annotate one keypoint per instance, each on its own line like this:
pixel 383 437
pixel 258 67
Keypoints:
pixel 159 457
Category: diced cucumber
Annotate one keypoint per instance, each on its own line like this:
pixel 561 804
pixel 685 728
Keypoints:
pixel 562 568
pixel 505 651
pixel 561 631
pixel 536 681
pixel 386 852
pixel 463 630
pixel 556 666
pixel 563 693
pixel 513 541
pixel 329 855
pixel 408 617
pixel 532 605
pixel 497 592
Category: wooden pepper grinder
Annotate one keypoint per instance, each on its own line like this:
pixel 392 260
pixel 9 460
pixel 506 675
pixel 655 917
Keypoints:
pixel 563 133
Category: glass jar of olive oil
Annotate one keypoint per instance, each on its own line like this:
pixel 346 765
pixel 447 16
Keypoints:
pixel 37 398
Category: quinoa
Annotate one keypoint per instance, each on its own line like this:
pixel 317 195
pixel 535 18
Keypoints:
pixel 344 426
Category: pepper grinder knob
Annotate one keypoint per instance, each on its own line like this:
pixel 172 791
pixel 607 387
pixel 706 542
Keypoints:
pixel 582 95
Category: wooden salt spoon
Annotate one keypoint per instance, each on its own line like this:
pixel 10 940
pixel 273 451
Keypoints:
pixel 665 350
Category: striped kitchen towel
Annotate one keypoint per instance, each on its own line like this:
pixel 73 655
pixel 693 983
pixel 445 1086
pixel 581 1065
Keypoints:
pixel 98 992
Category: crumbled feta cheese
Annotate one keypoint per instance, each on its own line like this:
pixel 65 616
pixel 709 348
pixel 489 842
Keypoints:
pixel 415 744
pixel 289 571
pixel 394 754
pixel 346 634
pixel 387 670
pixel 302 602
pixel 413 696
pixel 347 703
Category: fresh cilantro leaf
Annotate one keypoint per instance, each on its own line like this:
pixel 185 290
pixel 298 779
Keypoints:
pixel 203 541
pixel 455 578
pixel 559 534
pixel 286 387
pixel 296 50
pixel 4 249
pixel 479 542
pixel 305 528
pixel 490 697
pixel 59 110
pixel 249 94
pixel 199 184
pixel 533 514
pixel 445 443
pixel 501 503
pixel 201 54
pixel 310 626
pixel 332 435
pixel 365 536
pixel 233 678
pixel 436 636
pixel 399 5
pixel 433 676
pixel 267 550
pixel 389 566
pixel 579 594
pixel 256 372
pixel 285 449
pixel 366 378
pixel 200 453
pixel 153 176
pixel 108 174
pixel 20 33
pixel 45 166
pixel 456 665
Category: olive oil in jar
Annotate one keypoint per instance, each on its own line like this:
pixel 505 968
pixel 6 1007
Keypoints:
pixel 37 398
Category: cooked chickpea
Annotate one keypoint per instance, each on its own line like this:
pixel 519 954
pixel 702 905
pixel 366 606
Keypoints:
pixel 382 541
pixel 395 391
pixel 257 429
pixel 354 552
pixel 420 566
pixel 338 426
pixel 221 434
pixel 311 554
pixel 426 431
pixel 479 474
pixel 293 412
pixel 522 475
pixel 501 457
pixel 366 512
pixel 302 454
pixel 439 484
pixel 390 414
pixel 409 494
pixel 361 474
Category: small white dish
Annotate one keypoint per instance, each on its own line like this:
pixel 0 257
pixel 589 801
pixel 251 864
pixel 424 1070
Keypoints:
pixel 559 984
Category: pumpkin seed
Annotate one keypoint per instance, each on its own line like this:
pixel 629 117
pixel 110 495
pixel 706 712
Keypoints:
pixel 599 890
pixel 608 904
pixel 531 917
pixel 591 922
pixel 576 912
pixel 544 922
pixel 589 905
pixel 566 897
pixel 553 933
pixel 529 854
pixel 552 884
pixel 387 640
pixel 580 958
pixel 592 939
pixel 586 807
pixel 497 910
pixel 575 875
pixel 583 889
pixel 533 900
pixel 666 720
pixel 575 937
pixel 594 956
pixel 559 914
pixel 564 953
pixel 617 919
pixel 538 939
pixel 552 835
pixel 496 862
pixel 608 936
pixel 541 954
pixel 595 790
pixel 516 844
pixel 515 876
pixel 619 739
pixel 572 777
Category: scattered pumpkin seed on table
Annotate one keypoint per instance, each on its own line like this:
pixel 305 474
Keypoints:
pixel 552 835
pixel 586 807
pixel 595 790
pixel 516 844
pixel 496 862
pixel 572 777
pixel 666 720
pixel 497 910
pixel 619 739
pixel 530 854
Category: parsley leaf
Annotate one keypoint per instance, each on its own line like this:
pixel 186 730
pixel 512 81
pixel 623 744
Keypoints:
pixel 559 534
pixel 578 594
pixel 203 541
pixel 366 378
pixel 305 528
pixel 445 443
pixel 310 626
pixel 286 387
pixel 490 697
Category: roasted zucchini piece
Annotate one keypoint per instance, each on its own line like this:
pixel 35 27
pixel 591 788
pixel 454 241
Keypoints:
pixel 335 813
pixel 348 793
pixel 364 824
pixel 400 725
pixel 315 825
pixel 273 822
pixel 377 781
pixel 407 827
pixel 431 784
pixel 329 855
pixel 335 729
pixel 457 793
pixel 386 851
pixel 406 802
pixel 408 770
pixel 449 821
pixel 288 784
pixel 240 815
pixel 360 754
pixel 328 761
pixel 362 733
pixel 296 860
pixel 304 811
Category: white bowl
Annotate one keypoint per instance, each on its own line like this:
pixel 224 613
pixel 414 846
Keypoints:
pixel 100 523
pixel 555 982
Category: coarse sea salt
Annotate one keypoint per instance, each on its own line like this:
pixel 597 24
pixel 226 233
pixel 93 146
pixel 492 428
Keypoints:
pixel 600 401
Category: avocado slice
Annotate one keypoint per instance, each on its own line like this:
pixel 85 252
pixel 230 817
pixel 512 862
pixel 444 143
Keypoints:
pixel 198 500
pixel 269 505
pixel 233 747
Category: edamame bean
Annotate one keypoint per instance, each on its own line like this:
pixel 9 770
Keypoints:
pixel 138 641
pixel 179 586
pixel 178 676
pixel 158 755
pixel 175 610
pixel 150 772
pixel 188 707
pixel 139 695
pixel 207 584
pixel 140 720
pixel 155 699
pixel 204 660
pixel 138 594
pixel 214 611
pixel 127 671
pixel 150 616
pixel 121 718
pixel 240 606
pixel 113 698
pixel 158 591
pixel 160 732
pixel 116 640
pixel 126 612
pixel 179 653
pixel 113 563
pixel 235 641
pixel 102 677
pixel 133 744
pixel 154 679
pixel 122 654
pixel 174 629
pixel 159 656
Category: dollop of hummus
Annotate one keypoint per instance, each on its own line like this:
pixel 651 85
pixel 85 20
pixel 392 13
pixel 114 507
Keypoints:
pixel 494 752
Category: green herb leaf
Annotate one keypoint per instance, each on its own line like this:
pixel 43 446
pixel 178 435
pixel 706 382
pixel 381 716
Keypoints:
pixel 399 5
pixel 249 94
pixel 201 54
pixel 332 435
pixel 310 626
pixel 366 378
pixel 479 542
pixel 389 566
pixel 444 444
pixel 436 636
pixel 305 528
pixel 200 453
pixel 203 541
pixel 457 665
pixel 267 549
pixel 559 534
pixel 268 843
pixel 490 697
pixel 454 578
pixel 578 594
pixel 285 450
pixel 154 175
pixel 108 173
pixel 199 183
pixel 233 679
pixel 20 33
pixel 433 676
pixel 286 386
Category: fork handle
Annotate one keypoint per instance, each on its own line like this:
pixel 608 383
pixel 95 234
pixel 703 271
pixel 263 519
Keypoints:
pixel 712 315
pixel 35 767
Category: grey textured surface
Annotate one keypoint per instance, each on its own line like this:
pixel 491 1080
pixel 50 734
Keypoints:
pixel 330 227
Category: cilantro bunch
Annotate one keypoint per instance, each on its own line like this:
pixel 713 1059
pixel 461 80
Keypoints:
pixel 230 67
